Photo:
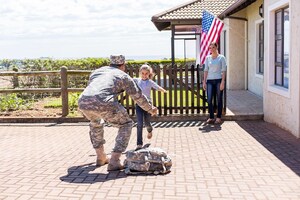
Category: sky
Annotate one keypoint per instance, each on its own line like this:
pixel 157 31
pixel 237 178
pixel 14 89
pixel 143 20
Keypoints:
pixel 86 28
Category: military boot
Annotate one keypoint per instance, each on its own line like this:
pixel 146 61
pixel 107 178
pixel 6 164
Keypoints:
pixel 102 158
pixel 114 163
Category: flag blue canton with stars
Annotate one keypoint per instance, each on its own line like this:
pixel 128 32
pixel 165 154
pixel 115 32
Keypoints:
pixel 207 21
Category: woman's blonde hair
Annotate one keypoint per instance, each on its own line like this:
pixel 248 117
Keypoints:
pixel 147 68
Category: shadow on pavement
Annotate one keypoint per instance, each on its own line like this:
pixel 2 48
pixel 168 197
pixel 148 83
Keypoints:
pixel 84 174
pixel 206 127
pixel 280 143
pixel 176 124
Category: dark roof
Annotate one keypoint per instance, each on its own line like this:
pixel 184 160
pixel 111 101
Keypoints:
pixel 189 13
pixel 235 7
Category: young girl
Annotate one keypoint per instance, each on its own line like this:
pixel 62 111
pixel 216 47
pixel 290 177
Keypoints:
pixel 146 83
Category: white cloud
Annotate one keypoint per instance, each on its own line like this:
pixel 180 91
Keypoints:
pixel 90 25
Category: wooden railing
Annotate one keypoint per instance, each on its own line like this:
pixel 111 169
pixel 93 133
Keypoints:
pixel 64 89
pixel 185 94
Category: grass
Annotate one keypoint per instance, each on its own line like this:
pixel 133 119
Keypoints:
pixel 73 98
pixel 57 103
pixel 185 101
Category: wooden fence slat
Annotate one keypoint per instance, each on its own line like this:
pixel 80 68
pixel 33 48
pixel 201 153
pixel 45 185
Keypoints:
pixel 174 71
pixel 181 88
pixel 170 74
pixel 132 107
pixel 198 87
pixel 168 88
pixel 192 88
pixel 153 92
pixel 204 101
pixel 127 97
pixel 158 74
pixel 186 90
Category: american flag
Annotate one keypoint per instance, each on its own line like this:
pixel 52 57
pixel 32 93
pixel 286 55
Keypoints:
pixel 211 30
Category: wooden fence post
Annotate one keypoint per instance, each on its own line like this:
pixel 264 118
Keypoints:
pixel 64 90
pixel 15 79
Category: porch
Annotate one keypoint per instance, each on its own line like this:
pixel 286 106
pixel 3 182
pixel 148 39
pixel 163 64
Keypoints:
pixel 243 105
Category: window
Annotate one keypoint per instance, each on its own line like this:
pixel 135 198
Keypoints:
pixel 282 47
pixel 260 48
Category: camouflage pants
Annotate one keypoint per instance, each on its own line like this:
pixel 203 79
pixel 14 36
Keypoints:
pixel 113 113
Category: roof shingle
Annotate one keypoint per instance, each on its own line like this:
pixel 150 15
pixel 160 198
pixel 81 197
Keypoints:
pixel 190 11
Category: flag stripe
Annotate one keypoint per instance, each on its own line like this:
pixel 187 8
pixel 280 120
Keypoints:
pixel 211 30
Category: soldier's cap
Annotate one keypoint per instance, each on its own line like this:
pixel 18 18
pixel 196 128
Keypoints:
pixel 117 59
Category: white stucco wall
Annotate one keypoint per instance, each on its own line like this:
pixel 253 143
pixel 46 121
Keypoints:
pixel 235 48
pixel 281 106
pixel 255 80
pixel 242 50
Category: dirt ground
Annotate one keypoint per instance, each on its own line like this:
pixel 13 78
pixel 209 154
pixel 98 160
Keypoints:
pixel 37 110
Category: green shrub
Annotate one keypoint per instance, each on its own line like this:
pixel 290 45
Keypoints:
pixel 12 102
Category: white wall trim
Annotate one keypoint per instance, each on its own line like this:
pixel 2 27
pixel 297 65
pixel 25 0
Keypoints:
pixel 279 90
pixel 278 5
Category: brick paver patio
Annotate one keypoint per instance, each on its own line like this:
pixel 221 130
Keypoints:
pixel 236 160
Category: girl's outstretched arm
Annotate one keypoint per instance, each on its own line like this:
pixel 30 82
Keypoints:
pixel 161 89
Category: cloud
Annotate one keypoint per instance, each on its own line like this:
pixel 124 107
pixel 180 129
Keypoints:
pixel 81 22
pixel 47 18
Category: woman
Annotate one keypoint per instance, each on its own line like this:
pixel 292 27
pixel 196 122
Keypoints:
pixel 214 80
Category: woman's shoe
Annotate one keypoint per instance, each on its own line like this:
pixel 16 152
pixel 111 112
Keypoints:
pixel 218 121
pixel 210 121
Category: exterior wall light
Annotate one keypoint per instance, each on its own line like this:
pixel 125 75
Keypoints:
pixel 261 10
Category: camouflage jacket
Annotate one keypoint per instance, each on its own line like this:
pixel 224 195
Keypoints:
pixel 107 83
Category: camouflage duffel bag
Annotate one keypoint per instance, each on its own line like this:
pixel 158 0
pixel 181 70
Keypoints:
pixel 147 160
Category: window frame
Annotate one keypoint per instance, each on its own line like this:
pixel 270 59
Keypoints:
pixel 279 38
pixel 269 53
pixel 261 48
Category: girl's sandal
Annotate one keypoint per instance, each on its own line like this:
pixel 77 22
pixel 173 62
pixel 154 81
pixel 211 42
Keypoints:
pixel 149 136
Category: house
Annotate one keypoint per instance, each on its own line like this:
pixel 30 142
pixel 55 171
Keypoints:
pixel 260 40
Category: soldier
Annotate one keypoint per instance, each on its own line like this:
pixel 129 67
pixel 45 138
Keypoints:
pixel 99 103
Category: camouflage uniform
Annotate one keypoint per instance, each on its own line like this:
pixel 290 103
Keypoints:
pixel 99 103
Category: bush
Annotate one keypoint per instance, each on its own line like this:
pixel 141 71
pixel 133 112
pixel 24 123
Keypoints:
pixel 13 102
